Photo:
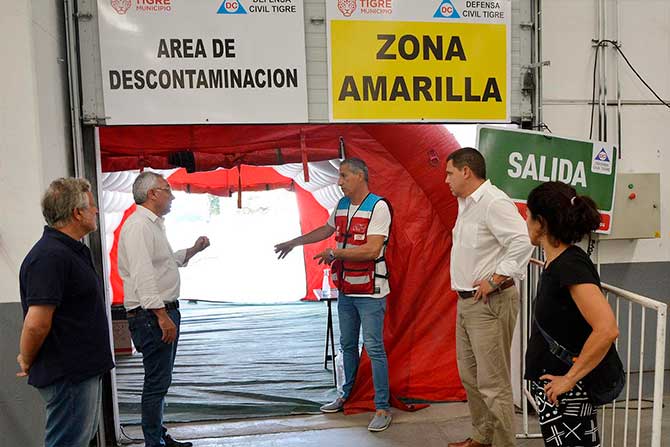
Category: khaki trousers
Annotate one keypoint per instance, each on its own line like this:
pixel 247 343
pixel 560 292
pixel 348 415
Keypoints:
pixel 483 342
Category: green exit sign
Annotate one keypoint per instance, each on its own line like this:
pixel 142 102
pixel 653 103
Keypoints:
pixel 519 160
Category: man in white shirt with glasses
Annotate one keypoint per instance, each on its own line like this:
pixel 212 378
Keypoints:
pixel 149 270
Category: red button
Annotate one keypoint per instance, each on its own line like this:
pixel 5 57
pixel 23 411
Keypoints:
pixel 632 196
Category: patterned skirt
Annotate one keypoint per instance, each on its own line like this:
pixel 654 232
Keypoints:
pixel 569 423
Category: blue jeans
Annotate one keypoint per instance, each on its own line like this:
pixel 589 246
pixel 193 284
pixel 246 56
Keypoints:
pixel 73 411
pixel 368 312
pixel 158 360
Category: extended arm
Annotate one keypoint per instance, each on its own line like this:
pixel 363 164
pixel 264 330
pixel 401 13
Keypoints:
pixel 313 236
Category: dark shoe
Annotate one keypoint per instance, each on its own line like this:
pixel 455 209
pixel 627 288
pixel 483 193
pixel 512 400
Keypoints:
pixel 468 443
pixel 170 442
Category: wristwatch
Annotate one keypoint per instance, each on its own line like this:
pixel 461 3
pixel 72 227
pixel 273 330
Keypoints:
pixel 331 255
pixel 493 285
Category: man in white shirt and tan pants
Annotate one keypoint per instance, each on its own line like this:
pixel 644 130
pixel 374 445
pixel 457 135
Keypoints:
pixel 149 270
pixel 490 250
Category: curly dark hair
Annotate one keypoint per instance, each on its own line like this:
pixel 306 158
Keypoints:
pixel 566 216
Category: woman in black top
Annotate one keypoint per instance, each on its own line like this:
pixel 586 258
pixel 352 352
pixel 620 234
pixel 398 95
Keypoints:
pixel 571 310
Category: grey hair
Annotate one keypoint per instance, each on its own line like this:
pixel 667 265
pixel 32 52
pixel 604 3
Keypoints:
pixel 356 165
pixel 143 183
pixel 63 196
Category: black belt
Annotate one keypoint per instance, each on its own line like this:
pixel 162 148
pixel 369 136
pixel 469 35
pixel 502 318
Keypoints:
pixel 168 306
pixel 470 293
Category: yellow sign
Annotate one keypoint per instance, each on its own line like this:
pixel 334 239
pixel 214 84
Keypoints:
pixel 400 71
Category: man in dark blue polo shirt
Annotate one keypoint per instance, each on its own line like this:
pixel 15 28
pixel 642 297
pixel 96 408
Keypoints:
pixel 65 347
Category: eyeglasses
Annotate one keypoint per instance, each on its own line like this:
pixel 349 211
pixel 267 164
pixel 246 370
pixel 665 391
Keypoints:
pixel 167 190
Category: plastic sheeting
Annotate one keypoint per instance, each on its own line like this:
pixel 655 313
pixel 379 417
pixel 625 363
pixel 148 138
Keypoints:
pixel 406 164
pixel 232 363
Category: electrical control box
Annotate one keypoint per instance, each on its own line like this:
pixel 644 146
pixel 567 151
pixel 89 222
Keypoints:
pixel 637 207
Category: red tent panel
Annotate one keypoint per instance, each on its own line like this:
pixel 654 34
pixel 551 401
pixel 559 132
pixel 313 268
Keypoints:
pixel 224 182
pixel 114 277
pixel 312 216
pixel 135 147
pixel 407 166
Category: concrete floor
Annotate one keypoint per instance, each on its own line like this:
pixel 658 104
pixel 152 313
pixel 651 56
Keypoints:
pixel 435 426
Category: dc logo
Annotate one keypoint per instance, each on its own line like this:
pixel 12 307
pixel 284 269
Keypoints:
pixel 231 7
pixel 446 10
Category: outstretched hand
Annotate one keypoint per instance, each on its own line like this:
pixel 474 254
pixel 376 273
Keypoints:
pixel 284 248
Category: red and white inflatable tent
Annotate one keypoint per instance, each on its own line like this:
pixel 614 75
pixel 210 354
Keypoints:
pixel 407 166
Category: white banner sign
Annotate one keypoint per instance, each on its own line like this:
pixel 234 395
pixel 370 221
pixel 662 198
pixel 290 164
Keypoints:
pixel 203 61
